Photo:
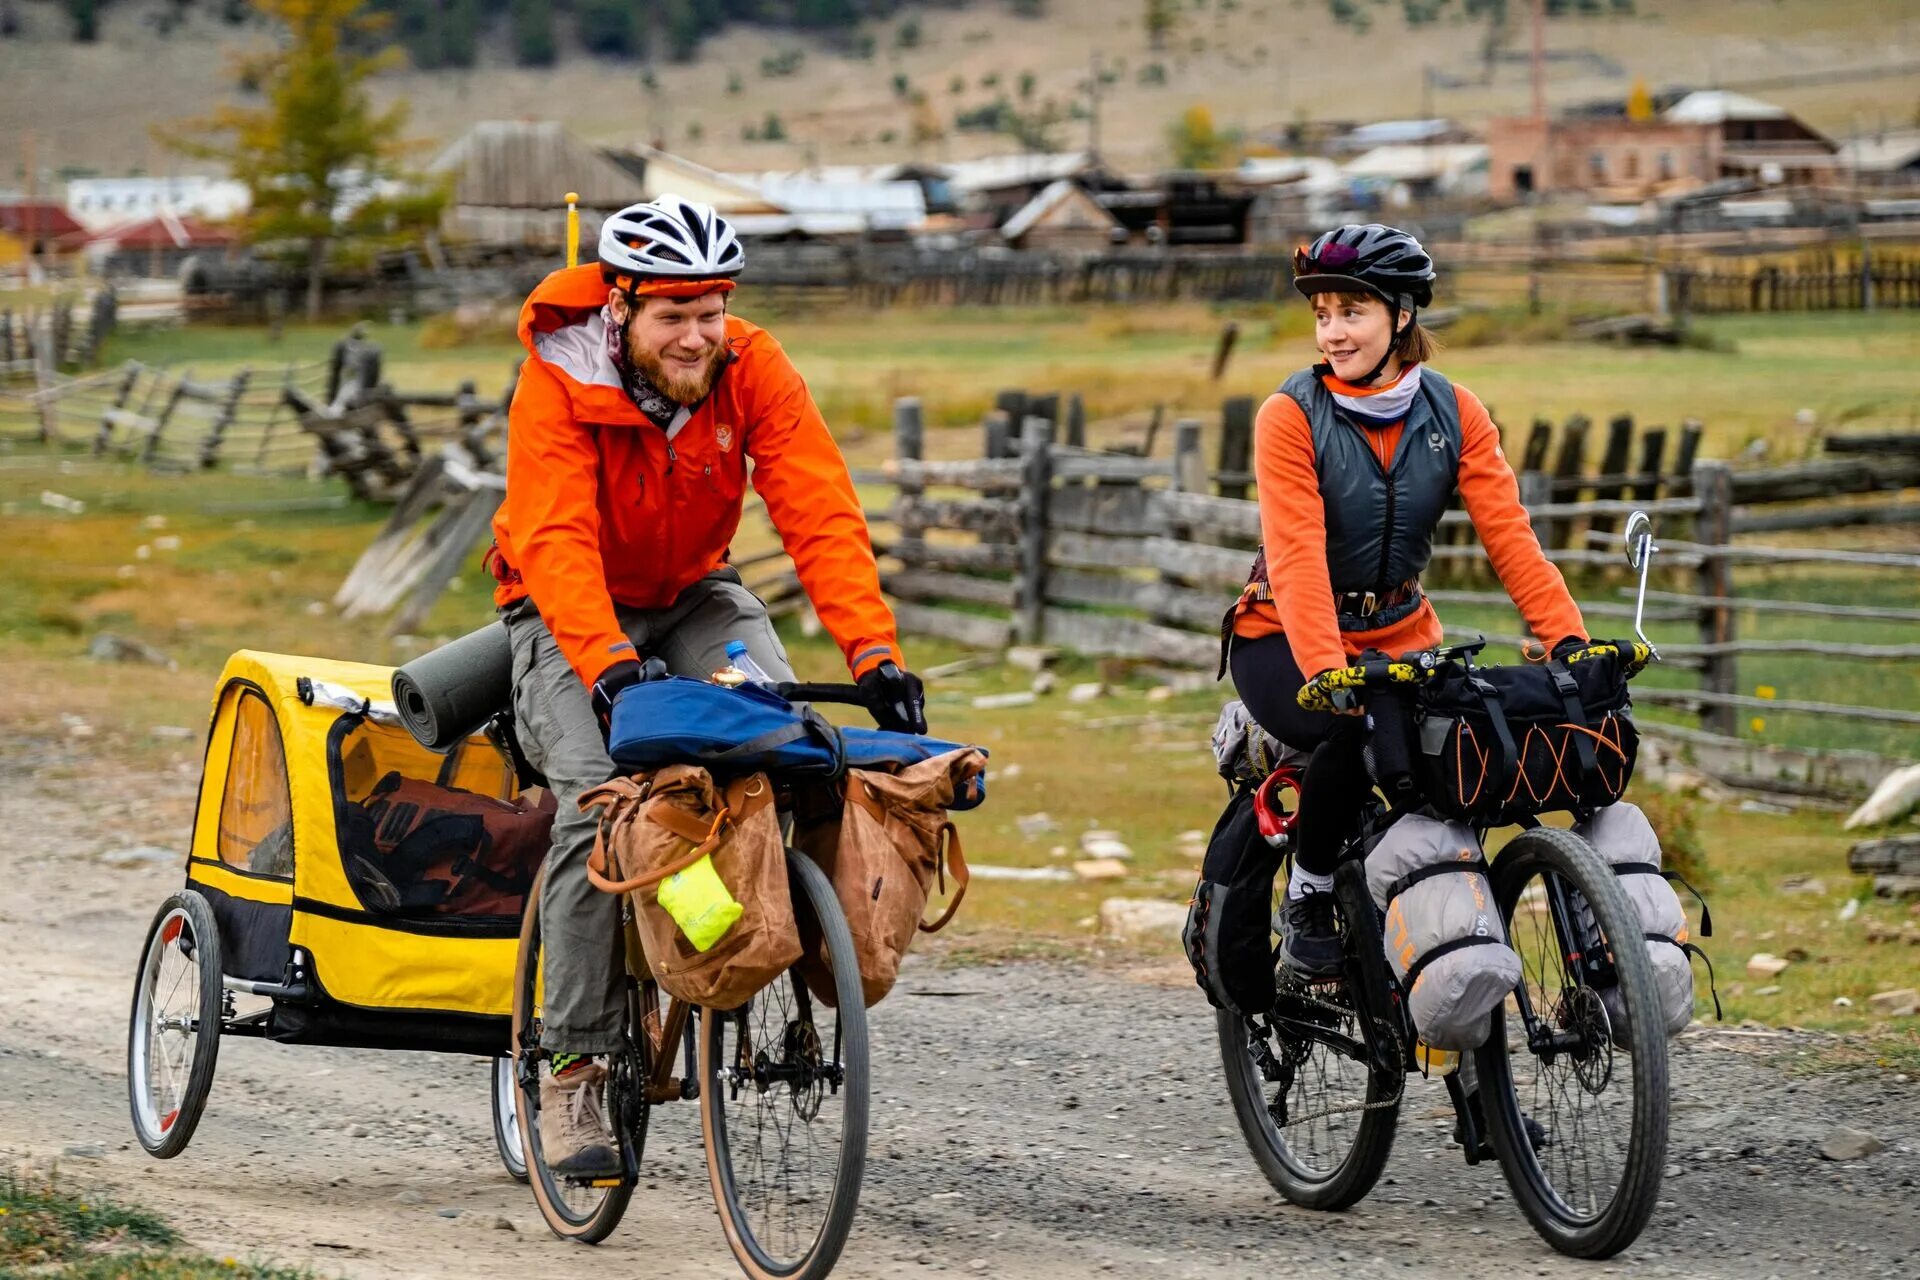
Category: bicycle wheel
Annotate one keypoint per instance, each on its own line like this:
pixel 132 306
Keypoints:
pixel 584 1212
pixel 1599 1088
pixel 1332 1064
pixel 506 1120
pixel 173 1032
pixel 783 1105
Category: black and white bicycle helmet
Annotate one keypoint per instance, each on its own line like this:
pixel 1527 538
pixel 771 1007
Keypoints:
pixel 668 239
pixel 1367 258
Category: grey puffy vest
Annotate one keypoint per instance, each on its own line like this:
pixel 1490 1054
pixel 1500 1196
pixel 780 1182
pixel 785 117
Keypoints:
pixel 1380 523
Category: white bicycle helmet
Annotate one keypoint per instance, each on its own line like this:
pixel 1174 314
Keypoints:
pixel 668 239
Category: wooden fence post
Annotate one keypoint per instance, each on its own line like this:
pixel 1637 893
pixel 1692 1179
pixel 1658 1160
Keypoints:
pixel 125 393
pixel 995 431
pixel 1189 464
pixel 1653 451
pixel 1014 405
pixel 229 410
pixel 1566 474
pixel 1236 446
pixel 1613 463
pixel 1688 445
pixel 1536 490
pixel 1719 673
pixel 909 438
pixel 1076 433
pixel 1036 451
pixel 44 378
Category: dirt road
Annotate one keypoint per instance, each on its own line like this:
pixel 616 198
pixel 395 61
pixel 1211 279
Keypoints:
pixel 1029 1120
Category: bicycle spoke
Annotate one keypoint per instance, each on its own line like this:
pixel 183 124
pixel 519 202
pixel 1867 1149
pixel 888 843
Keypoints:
pixel 1575 1093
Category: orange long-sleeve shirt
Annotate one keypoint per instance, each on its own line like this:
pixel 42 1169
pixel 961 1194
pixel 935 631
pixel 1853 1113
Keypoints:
pixel 1294 528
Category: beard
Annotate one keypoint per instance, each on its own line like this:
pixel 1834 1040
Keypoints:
pixel 681 387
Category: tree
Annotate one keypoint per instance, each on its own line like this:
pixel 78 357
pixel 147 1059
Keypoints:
pixel 317 148
pixel 1639 102
pixel 533 44
pixel 1197 144
pixel 1161 16
pixel 607 26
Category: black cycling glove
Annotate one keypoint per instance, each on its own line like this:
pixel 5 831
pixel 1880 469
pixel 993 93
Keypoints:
pixel 896 698
pixel 607 688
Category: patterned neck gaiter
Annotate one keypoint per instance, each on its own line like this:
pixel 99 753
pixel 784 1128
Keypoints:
pixel 657 405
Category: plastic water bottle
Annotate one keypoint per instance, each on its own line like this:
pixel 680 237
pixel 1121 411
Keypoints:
pixel 743 662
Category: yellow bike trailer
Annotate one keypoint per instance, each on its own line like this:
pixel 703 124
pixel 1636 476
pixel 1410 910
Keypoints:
pixel 348 885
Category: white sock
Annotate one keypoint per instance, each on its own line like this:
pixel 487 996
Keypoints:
pixel 1301 881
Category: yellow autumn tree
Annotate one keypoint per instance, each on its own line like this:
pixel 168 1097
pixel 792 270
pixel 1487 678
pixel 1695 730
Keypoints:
pixel 1639 102
pixel 312 154
pixel 1197 143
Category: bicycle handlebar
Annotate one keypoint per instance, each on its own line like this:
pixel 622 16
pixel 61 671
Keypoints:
pixel 1323 692
pixel 799 691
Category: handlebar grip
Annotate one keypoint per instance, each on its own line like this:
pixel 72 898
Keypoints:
pixel 845 694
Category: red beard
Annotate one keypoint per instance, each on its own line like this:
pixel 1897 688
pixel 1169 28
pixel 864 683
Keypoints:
pixel 682 388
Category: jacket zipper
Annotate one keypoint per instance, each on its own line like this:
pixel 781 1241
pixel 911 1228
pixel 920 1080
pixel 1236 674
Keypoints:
pixel 1386 530
pixel 1386 535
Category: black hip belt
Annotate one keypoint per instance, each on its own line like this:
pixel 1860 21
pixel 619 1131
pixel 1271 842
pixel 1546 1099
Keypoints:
pixel 1371 610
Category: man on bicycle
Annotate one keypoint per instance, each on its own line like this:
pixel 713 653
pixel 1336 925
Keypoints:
pixel 1356 460
pixel 636 413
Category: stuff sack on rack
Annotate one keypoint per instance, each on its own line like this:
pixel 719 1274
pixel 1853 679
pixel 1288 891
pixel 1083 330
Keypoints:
pixel 1623 836
pixel 1444 938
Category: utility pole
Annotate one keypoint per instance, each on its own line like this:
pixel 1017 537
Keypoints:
pixel 1093 111
pixel 1539 62
pixel 30 214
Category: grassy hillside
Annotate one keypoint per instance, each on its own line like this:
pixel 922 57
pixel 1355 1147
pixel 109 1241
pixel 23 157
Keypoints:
pixel 1258 64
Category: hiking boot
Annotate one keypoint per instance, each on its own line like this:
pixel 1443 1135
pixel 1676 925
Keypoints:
pixel 1310 942
pixel 575 1139
pixel 1536 1132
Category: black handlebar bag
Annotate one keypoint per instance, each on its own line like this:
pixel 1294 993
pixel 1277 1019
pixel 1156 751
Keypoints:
pixel 1493 745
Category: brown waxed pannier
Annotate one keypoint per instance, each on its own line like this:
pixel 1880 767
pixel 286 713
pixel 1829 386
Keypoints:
pixel 664 820
pixel 889 848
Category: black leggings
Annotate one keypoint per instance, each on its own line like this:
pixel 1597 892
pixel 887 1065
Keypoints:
pixel 1337 784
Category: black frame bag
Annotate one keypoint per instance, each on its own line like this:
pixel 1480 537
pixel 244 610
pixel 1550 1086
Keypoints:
pixel 1228 934
pixel 1491 746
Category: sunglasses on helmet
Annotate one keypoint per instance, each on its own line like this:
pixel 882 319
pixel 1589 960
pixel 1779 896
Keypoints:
pixel 1332 258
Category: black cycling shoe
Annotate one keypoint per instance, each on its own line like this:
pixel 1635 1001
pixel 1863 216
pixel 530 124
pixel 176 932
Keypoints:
pixel 1309 941
pixel 1536 1132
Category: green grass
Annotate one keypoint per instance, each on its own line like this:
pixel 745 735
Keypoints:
pixel 60 1232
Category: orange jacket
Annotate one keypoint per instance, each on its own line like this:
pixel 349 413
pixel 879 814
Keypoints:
pixel 602 506
pixel 1293 525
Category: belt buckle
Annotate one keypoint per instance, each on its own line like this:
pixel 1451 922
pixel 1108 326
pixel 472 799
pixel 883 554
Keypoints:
pixel 1369 605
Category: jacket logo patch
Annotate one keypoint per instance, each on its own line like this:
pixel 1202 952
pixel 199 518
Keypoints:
pixel 723 436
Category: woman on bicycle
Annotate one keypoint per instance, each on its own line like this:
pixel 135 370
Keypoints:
pixel 1356 459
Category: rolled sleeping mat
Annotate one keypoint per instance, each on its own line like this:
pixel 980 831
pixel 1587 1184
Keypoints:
pixel 450 693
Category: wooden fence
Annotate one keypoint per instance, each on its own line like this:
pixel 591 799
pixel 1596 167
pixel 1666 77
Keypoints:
pixel 1042 540
pixel 1893 284
pixel 332 417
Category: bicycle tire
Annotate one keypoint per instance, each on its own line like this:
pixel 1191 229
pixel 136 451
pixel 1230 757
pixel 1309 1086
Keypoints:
pixel 505 1090
pixel 1601 1233
pixel 597 1223
pixel 1348 1181
pixel 184 926
pixel 815 891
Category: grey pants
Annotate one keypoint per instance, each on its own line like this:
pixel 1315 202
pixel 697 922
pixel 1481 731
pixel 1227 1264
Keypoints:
pixel 558 731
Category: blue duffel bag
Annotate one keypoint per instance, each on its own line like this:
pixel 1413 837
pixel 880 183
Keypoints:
pixel 752 729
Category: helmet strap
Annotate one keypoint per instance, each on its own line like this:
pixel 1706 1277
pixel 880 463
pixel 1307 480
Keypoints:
pixel 1393 344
